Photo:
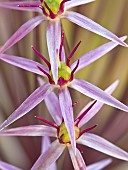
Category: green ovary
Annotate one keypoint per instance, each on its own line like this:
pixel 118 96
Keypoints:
pixel 54 5
pixel 63 133
pixel 64 71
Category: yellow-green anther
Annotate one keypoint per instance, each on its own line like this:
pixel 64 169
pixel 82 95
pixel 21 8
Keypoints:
pixel 63 133
pixel 64 71
pixel 54 5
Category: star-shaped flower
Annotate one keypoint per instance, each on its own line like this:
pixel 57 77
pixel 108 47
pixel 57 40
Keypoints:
pixel 65 79
pixel 58 130
pixel 53 11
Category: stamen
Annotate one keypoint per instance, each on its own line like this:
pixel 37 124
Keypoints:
pixel 86 130
pixel 47 122
pixel 62 6
pixel 72 73
pixel 77 121
pixel 42 57
pixel 49 77
pixel 52 15
pixel 72 53
pixel 74 104
pixel 61 45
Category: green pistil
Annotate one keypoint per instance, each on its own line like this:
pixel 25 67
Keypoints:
pixel 64 71
pixel 54 5
pixel 63 135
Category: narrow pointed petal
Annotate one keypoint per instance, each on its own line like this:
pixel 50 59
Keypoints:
pixel 22 32
pixel 99 165
pixel 45 144
pixel 102 145
pixel 53 42
pixel 96 93
pixel 63 55
pixel 32 130
pixel 52 104
pixel 33 100
pixel 95 54
pixel 6 166
pixel 74 3
pixel 53 107
pixel 77 160
pixel 97 106
pixel 49 157
pixel 92 26
pixel 14 5
pixel 24 63
pixel 67 113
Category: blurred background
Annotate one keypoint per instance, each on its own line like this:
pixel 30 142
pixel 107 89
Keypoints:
pixel 16 84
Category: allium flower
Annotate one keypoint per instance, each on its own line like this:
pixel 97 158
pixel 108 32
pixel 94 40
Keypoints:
pixel 59 131
pixel 53 11
pixel 65 79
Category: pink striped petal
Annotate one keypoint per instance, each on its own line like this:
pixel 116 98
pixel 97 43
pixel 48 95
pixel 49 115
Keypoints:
pixel 53 42
pixel 24 63
pixel 14 5
pixel 52 104
pixel 32 130
pixel 67 112
pixel 77 160
pixel 49 157
pixel 33 100
pixel 22 32
pixel 100 144
pixel 97 106
pixel 74 3
pixel 99 165
pixel 92 26
pixel 96 93
pixel 45 144
pixel 95 54
pixel 6 166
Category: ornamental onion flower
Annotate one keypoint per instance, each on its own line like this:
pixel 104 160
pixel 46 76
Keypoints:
pixel 65 79
pixel 63 140
pixel 53 11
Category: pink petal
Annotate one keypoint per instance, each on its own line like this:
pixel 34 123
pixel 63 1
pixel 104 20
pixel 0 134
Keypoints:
pixel 67 112
pixel 53 42
pixel 45 144
pixel 33 100
pixel 14 5
pixel 97 106
pixel 49 157
pixel 74 3
pixel 100 144
pixel 96 93
pixel 32 130
pixel 24 63
pixel 53 107
pixel 52 104
pixel 77 160
pixel 6 166
pixel 99 165
pixel 92 26
pixel 22 32
pixel 95 54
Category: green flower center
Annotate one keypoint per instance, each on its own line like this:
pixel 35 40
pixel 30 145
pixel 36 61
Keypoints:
pixel 64 71
pixel 54 5
pixel 63 135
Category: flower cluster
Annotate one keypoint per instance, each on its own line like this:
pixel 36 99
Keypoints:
pixel 60 74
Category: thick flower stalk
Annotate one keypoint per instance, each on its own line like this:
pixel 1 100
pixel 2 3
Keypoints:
pixel 65 79
pixel 58 130
pixel 54 11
